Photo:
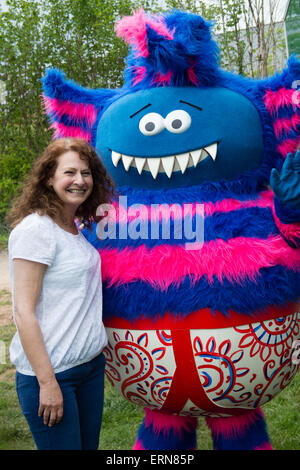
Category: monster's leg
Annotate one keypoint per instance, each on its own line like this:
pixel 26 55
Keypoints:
pixel 160 431
pixel 244 432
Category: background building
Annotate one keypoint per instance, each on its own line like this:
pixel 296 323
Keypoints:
pixel 292 26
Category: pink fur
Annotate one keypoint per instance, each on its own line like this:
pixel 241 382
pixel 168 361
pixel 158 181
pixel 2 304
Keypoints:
pixel 175 211
pixel 284 126
pixel 133 29
pixel 233 426
pixel 79 111
pixel 265 199
pixel 289 231
pixel 192 76
pixel 288 146
pixel 280 98
pixel 140 74
pixel 162 422
pixel 138 445
pixel 237 259
pixel 264 446
pixel 60 130
pixel 274 100
pixel 162 79
pixel 158 25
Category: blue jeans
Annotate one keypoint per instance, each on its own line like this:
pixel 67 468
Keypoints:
pixel 83 393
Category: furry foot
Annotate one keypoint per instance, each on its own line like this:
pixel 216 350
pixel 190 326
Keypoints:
pixel 245 432
pixel 160 431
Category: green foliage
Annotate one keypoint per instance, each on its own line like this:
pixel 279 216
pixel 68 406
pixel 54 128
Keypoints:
pixel 15 163
pixel 76 36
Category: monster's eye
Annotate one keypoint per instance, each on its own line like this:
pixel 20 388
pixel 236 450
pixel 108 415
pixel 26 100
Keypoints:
pixel 151 124
pixel 178 121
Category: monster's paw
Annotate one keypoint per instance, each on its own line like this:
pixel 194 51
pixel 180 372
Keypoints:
pixel 286 183
pixel 160 431
pixel 245 432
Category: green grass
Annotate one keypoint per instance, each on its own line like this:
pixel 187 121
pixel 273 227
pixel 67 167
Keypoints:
pixel 121 419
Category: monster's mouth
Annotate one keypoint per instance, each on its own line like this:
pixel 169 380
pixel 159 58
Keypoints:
pixel 169 164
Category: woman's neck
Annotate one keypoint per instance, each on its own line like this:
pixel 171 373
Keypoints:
pixel 65 220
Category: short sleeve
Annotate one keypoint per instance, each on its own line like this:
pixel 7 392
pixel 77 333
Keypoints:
pixel 33 240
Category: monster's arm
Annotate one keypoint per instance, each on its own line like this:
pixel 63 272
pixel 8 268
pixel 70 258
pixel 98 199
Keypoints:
pixel 286 187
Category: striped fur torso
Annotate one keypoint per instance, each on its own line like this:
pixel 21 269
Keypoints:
pixel 205 331
pixel 245 265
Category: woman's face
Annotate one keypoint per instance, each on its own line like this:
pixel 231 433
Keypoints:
pixel 72 180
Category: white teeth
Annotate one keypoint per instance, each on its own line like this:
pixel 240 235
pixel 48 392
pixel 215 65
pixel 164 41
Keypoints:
pixel 212 150
pixel 153 164
pixel 140 163
pixel 196 154
pixel 115 157
pixel 183 160
pixel 126 161
pixel 168 165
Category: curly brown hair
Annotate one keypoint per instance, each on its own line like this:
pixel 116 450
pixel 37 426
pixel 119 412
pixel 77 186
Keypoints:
pixel 37 196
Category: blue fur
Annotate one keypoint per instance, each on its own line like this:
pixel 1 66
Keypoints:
pixel 69 121
pixel 292 134
pixel 254 90
pixel 56 86
pixel 241 189
pixel 255 435
pixel 166 440
pixel 286 214
pixel 192 41
pixel 139 299
pixel 254 222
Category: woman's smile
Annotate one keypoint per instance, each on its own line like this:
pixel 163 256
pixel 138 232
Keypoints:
pixel 72 180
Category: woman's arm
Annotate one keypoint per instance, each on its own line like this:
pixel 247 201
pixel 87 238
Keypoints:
pixel 28 278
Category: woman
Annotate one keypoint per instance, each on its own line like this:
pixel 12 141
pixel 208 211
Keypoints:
pixel 57 297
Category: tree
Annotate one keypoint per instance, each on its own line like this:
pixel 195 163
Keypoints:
pixel 76 36
pixel 265 38
pixel 249 43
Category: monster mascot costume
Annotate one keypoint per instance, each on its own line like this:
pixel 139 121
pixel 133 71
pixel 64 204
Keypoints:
pixel 197 326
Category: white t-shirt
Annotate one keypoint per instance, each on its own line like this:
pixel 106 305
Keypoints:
pixel 69 309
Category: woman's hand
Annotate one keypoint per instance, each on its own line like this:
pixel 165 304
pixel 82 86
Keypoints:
pixel 51 403
pixel 28 282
